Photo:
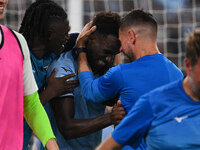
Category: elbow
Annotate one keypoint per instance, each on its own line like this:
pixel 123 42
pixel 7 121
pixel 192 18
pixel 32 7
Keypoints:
pixel 66 132
pixel 67 135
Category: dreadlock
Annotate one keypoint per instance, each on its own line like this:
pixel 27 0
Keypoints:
pixel 38 17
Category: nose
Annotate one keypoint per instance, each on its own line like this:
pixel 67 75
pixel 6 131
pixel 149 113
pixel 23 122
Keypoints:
pixel 3 2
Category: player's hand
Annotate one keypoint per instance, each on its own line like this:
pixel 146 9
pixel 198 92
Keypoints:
pixel 60 86
pixel 83 36
pixel 117 113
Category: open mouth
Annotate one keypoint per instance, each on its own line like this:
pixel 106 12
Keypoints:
pixel 2 8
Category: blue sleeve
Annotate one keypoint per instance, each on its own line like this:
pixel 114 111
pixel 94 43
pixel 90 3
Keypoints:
pixel 135 125
pixel 100 89
pixel 89 87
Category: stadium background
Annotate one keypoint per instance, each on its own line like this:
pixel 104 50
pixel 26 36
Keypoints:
pixel 175 18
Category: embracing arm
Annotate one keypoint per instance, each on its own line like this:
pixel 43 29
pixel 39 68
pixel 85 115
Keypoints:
pixel 57 86
pixel 73 128
pixel 37 119
pixel 80 43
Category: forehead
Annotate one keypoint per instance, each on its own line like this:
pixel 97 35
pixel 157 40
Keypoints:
pixel 121 33
pixel 101 47
pixel 94 46
pixel 59 24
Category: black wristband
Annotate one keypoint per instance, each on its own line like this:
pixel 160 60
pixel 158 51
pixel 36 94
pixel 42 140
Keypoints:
pixel 76 51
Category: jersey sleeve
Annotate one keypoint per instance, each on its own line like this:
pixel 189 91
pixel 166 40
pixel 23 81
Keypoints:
pixel 135 125
pixel 29 83
pixel 62 70
pixel 37 119
pixel 103 88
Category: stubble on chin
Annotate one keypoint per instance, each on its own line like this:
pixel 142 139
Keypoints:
pixel 195 90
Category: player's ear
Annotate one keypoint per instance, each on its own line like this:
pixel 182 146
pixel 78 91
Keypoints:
pixel 188 67
pixel 50 35
pixel 132 36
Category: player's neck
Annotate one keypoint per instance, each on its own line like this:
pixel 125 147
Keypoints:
pixel 188 90
pixel 148 50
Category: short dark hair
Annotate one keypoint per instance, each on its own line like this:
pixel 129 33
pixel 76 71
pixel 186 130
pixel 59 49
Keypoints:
pixel 107 23
pixel 193 46
pixel 139 17
pixel 38 17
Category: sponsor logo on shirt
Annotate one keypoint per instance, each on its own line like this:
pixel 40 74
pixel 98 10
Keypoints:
pixel 67 70
pixel 46 67
pixel 179 119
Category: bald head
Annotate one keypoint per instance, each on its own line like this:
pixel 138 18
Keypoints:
pixel 142 23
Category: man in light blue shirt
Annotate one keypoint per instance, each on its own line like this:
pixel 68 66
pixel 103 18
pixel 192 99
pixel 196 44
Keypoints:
pixel 77 123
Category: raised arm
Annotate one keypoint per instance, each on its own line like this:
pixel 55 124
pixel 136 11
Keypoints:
pixel 80 43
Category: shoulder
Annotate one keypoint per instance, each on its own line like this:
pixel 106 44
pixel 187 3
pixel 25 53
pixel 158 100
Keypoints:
pixel 23 43
pixel 65 64
pixel 19 35
pixel 160 95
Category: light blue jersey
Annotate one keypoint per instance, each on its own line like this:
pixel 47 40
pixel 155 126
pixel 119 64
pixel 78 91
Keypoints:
pixel 83 109
pixel 170 121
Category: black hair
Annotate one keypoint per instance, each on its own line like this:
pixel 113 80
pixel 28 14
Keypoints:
pixel 107 23
pixel 38 17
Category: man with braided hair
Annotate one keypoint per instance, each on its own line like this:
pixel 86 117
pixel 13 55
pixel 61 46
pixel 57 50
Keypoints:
pixel 45 27
pixel 18 93
pixel 78 123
